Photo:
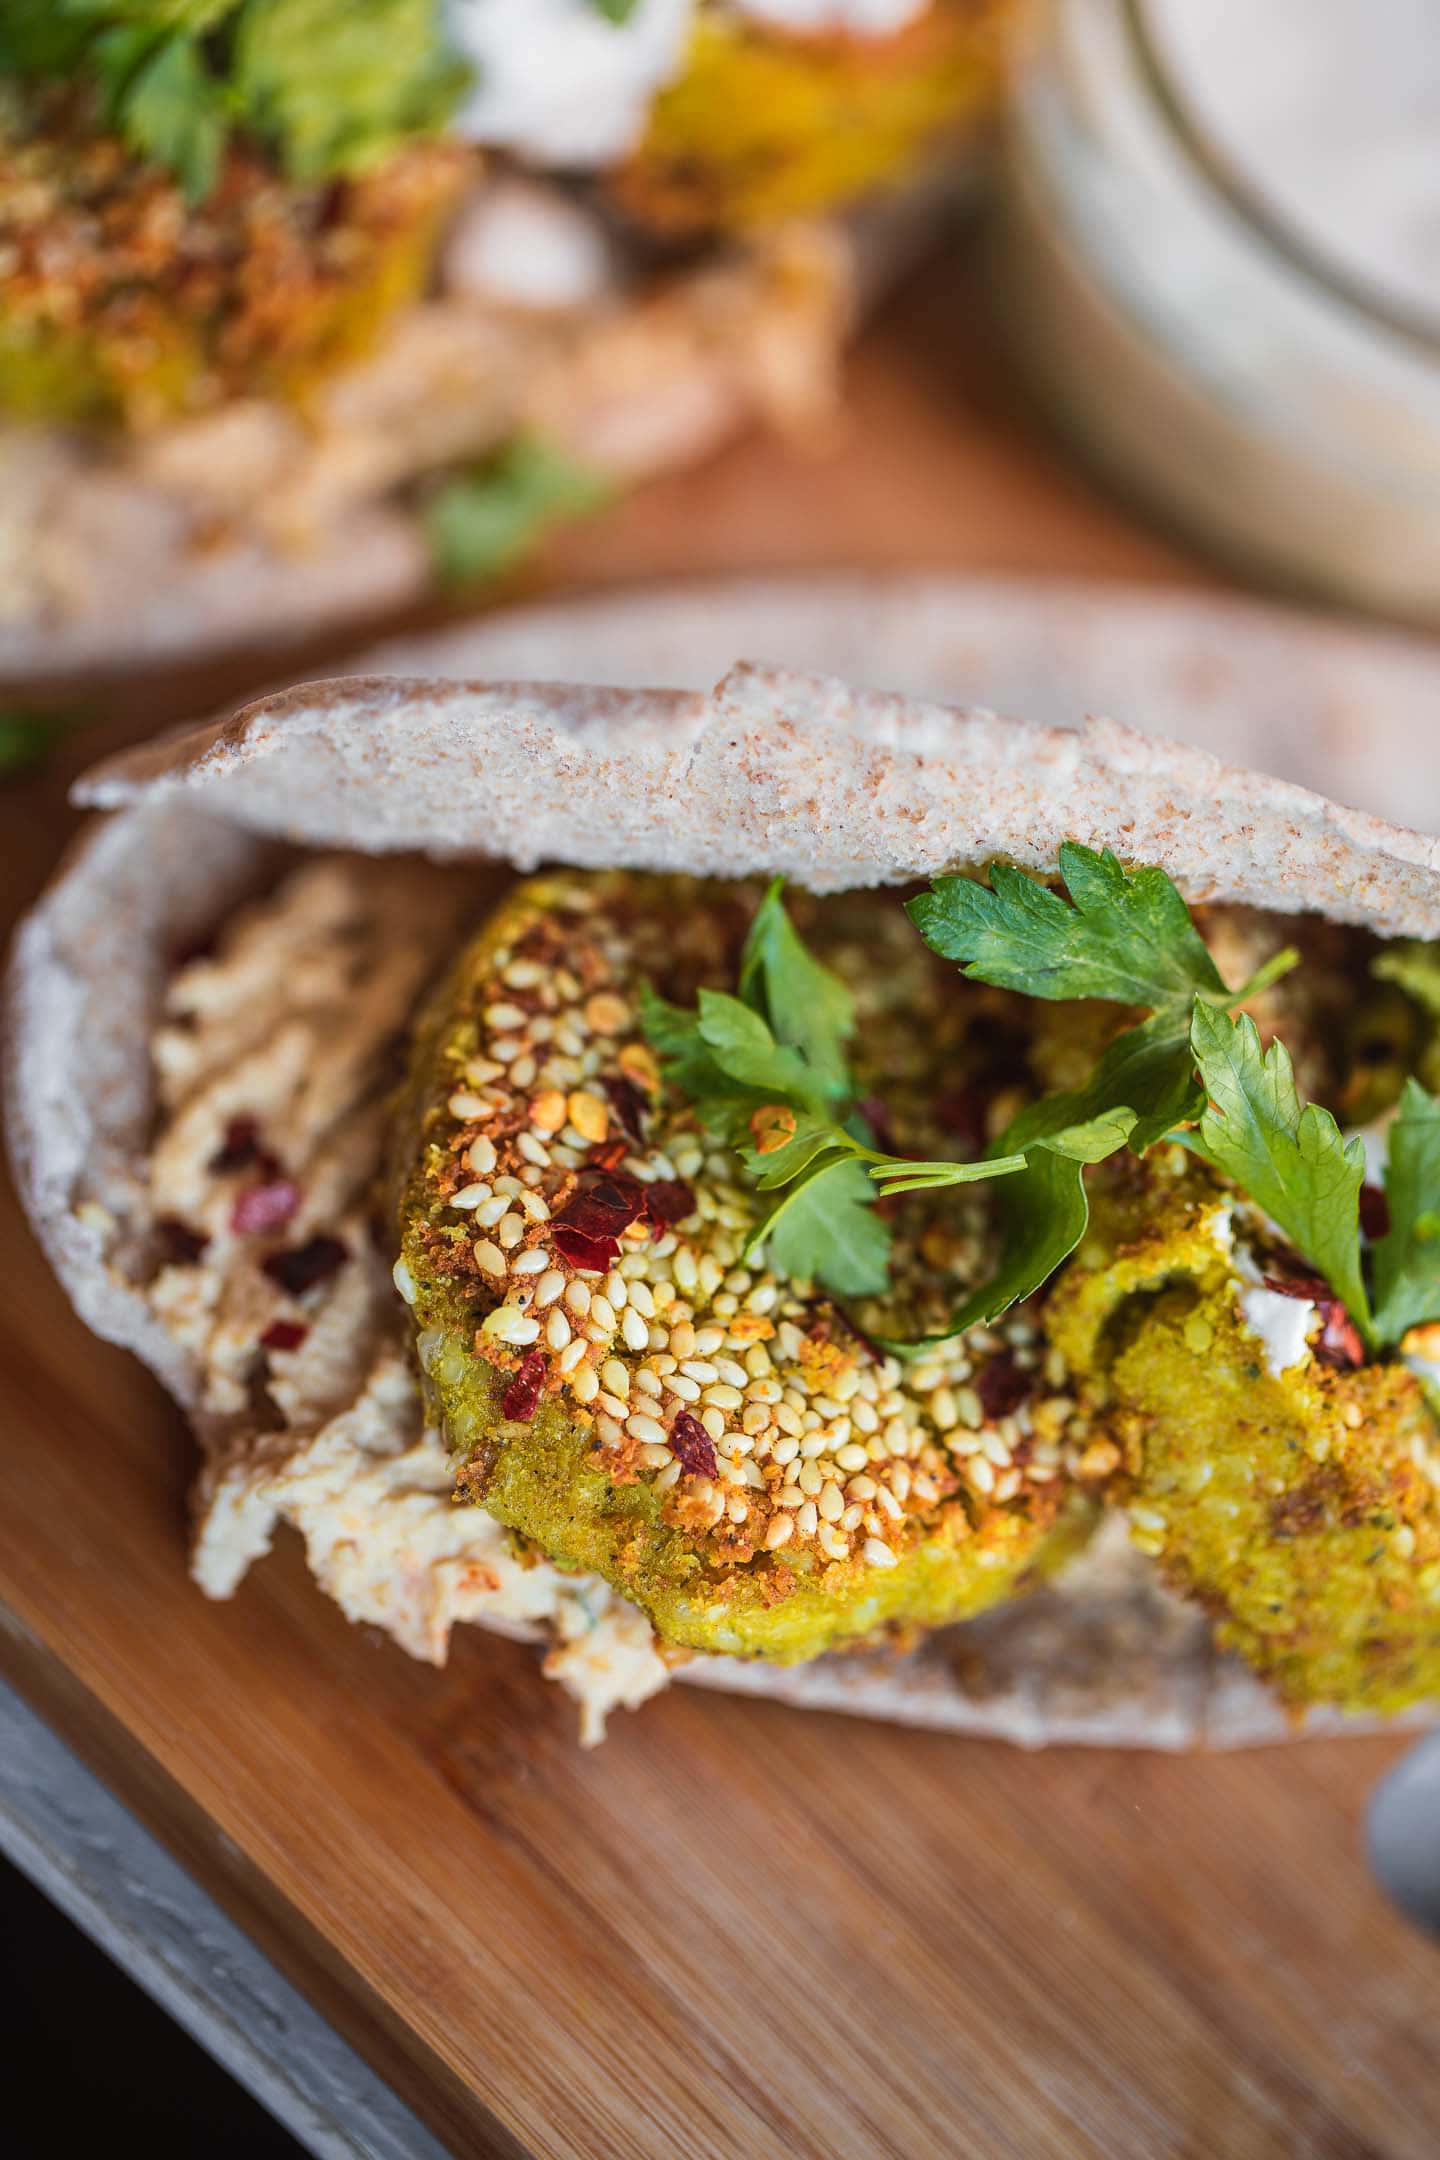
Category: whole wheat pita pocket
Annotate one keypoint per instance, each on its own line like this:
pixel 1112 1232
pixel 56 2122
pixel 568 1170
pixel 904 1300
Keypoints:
pixel 771 772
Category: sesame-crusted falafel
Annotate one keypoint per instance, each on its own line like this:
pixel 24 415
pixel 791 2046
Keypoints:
pixel 617 1381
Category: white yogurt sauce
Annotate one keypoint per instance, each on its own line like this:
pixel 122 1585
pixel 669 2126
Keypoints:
pixel 865 18
pixel 559 82
pixel 1281 1323
pixel 562 85
pixel 526 245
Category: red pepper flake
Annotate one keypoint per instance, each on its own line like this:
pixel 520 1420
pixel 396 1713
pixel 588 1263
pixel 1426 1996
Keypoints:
pixel 628 1104
pixel 587 1230
pixel 1338 1342
pixel 961 1113
pixel 1003 1385
pixel 607 1154
pixel 180 1245
pixel 594 1255
pixel 692 1446
pixel 1374 1212
pixel 523 1394
pixel 300 1267
pixel 667 1202
pixel 265 1207
pixel 240 1147
pixel 284 1335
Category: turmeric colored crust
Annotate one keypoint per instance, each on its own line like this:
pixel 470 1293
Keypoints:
pixel 1300 1508
pixel 717 1443
pixel 761 126
pixel 123 306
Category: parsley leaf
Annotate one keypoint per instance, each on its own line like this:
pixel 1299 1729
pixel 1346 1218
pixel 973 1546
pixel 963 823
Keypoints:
pixel 27 738
pixel 1414 967
pixel 484 523
pixel 824 1227
pixel 1291 1161
pixel 768 1072
pixel 807 1005
pixel 166 103
pixel 1124 936
pixel 615 11
pixel 1407 1259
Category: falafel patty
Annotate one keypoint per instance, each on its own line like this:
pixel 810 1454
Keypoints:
pixel 620 1384
pixel 1293 1491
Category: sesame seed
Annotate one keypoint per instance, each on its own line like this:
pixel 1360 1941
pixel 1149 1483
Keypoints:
pixel 589 1116
pixel 888 1504
pixel 714 1422
pixel 547 1111
pixel 470 1196
pixel 557 1330
pixel 654 1455
pixel 807 1519
pixel 577 1297
pixel 488 1256
pixel 778 1531
pixel 615 1376
pixel 489 1212
pixel 508 1324
pixel 404 1282
pixel 535 1207
pixel 509 1231
pixel 534 1150
pixel 533 1262
pixel 602 1312
pixel 851 1457
pixel 616 1289
pixel 522 1072
pixel 586 1384
pixel 852 1518
pixel 573 1351
pixel 877 1554
pixel 464 1105
pixel 688 1390
pixel 833 1542
pixel 550 1286
pixel 723 1398
pixel 831 1505
pixel 634 1330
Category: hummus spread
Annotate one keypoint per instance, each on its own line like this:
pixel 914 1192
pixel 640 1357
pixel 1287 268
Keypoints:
pixel 274 1060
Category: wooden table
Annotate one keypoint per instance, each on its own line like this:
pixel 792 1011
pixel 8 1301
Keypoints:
pixel 734 1930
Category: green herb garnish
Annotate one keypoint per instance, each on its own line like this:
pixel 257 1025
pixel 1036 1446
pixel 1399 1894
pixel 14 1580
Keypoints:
pixel 327 87
pixel 484 523
pixel 769 1072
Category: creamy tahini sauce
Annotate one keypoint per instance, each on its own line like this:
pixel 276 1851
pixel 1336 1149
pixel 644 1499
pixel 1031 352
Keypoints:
pixel 562 85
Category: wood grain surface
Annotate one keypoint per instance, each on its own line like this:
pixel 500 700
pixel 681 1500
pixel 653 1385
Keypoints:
pixel 734 1930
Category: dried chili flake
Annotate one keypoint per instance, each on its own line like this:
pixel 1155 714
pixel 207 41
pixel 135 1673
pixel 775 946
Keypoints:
pixel 669 1201
pixel 1338 1342
pixel 240 1146
pixel 607 1154
pixel 628 1104
pixel 692 1446
pixel 180 1246
pixel 265 1207
pixel 1003 1385
pixel 301 1267
pixel 284 1335
pixel 961 1113
pixel 594 1255
pixel 523 1394
pixel 1374 1212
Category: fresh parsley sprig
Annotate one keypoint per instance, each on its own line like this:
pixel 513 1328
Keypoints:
pixel 769 1071
pixel 1125 937
pixel 1191 1072
pixel 327 87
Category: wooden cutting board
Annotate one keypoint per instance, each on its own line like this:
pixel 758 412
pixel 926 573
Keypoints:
pixel 734 1930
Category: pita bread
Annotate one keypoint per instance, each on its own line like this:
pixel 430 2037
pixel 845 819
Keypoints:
pixel 772 771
